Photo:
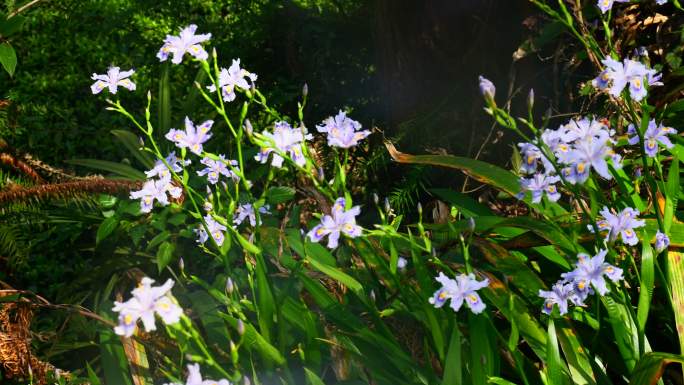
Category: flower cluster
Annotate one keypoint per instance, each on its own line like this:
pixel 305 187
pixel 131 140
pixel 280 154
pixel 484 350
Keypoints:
pixel 577 146
pixel 283 140
pixel 654 134
pixel 463 288
pixel 147 301
pixel 195 378
pixel 186 42
pixel 338 222
pixel 112 80
pixel 231 78
pixel 342 131
pixel 628 73
pixel 157 189
pixel 577 285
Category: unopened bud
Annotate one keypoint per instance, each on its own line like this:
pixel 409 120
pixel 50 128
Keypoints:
pixel 434 252
pixel 530 99
pixel 181 264
pixel 213 53
pixel 229 286
pixel 233 352
pixel 387 205
pixel 240 327
pixel 471 224
pixel 487 88
pixel 376 198
pixel 401 263
pixel 420 209
pixel 246 381
pixel 305 90
pixel 248 127
pixel 141 142
pixel 149 96
pixel 321 174
pixel 372 295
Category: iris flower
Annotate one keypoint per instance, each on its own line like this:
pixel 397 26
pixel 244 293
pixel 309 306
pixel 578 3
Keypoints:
pixel 192 138
pixel 215 168
pixel 621 224
pixel 342 131
pixel 458 290
pixel 538 185
pixel 155 190
pixel 195 378
pixel 147 301
pixel 338 222
pixel 160 170
pixel 661 242
pixel 654 134
pixel 216 229
pixel 231 78
pixel 560 293
pixel 186 42
pixel 590 271
pixel 246 211
pixel 487 88
pixel 113 79
pixel 283 140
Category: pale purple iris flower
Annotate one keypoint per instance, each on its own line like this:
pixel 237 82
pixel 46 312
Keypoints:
pixel 606 5
pixel 284 140
pixel 155 190
pixel 192 138
pixel 463 288
pixel 338 222
pixel 654 134
pixel 342 131
pixel 616 76
pixel 215 168
pixel 186 42
pixel 585 128
pixel 590 271
pixel 231 78
pixel 662 242
pixel 530 156
pixel 538 185
pixel 112 80
pixel 487 88
pixel 561 292
pixel 147 301
pixel 661 2
pixel 590 153
pixel 620 224
pixel 246 211
pixel 160 170
pixel 216 229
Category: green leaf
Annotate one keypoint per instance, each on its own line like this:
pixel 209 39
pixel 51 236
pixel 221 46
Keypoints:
pixel 279 194
pixel 265 301
pixel 11 26
pixel 647 281
pixel 254 341
pixel 106 228
pixel 337 275
pixel 130 141
pixel 113 359
pixel 554 365
pixel 8 58
pixel 467 205
pixel 481 171
pixel 164 255
pixel 119 169
pixel 312 378
pixel 651 366
pixel 453 372
pixel 159 238
pixel 483 351
pixel 672 193
pixel 164 102
pixel 675 272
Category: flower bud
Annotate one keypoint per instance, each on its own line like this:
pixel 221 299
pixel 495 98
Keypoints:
pixel 240 327
pixel 246 381
pixel 487 88
pixel 471 224
pixel 530 99
pixel 305 90
pixel 401 263
pixel 376 198
pixel 213 53
pixel 372 295
pixel 149 96
pixel 181 264
pixel 229 286
pixel 249 130
pixel 420 209
pixel 387 205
